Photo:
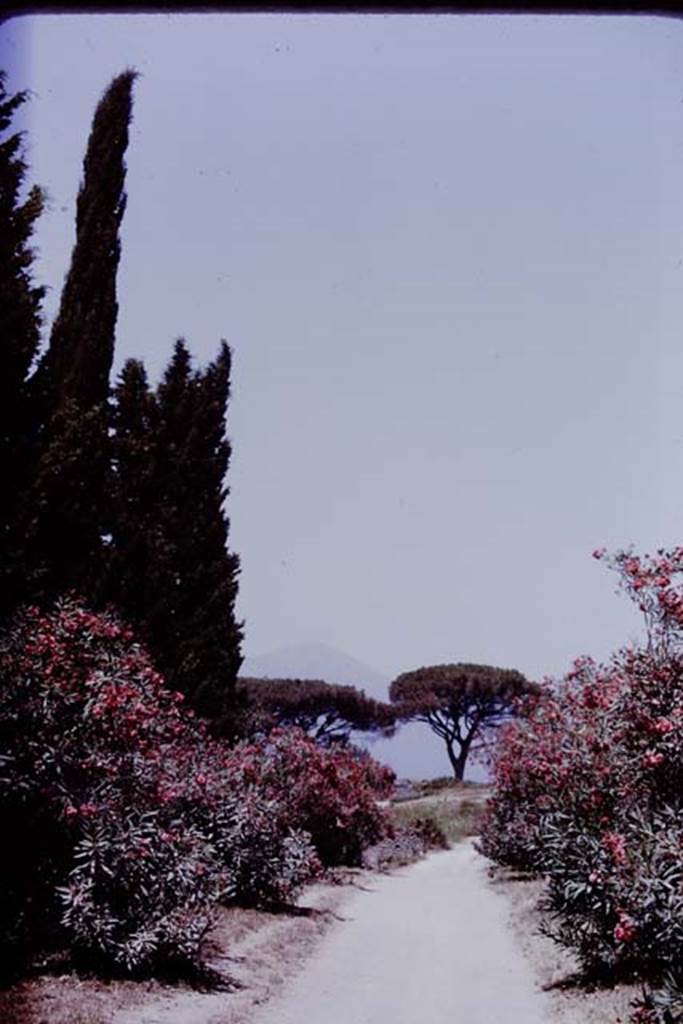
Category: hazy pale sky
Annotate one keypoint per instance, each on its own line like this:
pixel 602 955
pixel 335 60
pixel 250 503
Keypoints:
pixel 448 254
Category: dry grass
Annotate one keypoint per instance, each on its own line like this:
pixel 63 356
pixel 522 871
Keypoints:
pixel 455 807
pixel 67 998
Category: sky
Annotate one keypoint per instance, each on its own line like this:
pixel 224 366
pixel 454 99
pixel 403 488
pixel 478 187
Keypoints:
pixel 447 252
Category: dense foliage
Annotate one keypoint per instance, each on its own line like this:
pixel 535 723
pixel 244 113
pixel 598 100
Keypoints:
pixel 332 793
pixel 459 703
pixel 589 790
pixel 126 822
pixel 170 571
pixel 121 502
pixel 328 713
pixel 20 322
pixel 65 517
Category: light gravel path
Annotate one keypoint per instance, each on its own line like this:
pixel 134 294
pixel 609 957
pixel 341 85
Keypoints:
pixel 430 944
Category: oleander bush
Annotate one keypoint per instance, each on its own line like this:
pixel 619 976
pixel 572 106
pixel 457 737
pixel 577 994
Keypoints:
pixel 588 791
pixel 269 862
pixel 90 734
pixel 126 823
pixel 331 793
pixel 663 1005
pixel 615 898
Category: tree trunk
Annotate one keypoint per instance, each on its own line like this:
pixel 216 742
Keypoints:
pixel 459 760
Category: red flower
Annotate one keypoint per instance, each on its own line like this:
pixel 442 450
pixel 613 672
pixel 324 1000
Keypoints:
pixel 625 930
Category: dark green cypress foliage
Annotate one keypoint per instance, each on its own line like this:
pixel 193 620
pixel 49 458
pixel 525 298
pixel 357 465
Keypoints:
pixel 129 579
pixel 65 512
pixel 20 323
pixel 210 650
pixel 171 572
pixel 194 619
pixel 70 497
pixel 78 362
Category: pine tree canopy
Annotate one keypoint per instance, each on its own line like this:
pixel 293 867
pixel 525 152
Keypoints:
pixel 326 711
pixel 458 702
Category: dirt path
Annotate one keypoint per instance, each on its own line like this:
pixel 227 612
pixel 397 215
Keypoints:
pixel 429 943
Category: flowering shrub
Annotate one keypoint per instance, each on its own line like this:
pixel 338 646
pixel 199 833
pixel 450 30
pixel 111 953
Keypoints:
pixel 588 788
pixel 83 718
pixel 617 898
pixel 663 1006
pixel 138 896
pixel 331 793
pixel 127 823
pixel 268 862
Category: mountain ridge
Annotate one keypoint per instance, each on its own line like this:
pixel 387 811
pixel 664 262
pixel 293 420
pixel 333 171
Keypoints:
pixel 317 661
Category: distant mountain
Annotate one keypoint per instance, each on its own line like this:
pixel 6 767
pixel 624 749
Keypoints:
pixel 414 753
pixel 317 661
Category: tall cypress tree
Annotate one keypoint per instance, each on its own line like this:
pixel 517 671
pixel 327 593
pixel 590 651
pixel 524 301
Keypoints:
pixel 132 570
pixel 78 362
pixel 20 323
pixel 209 648
pixel 172 573
pixel 70 494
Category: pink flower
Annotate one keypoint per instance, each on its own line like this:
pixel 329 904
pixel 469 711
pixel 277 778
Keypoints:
pixel 625 930
pixel 616 845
